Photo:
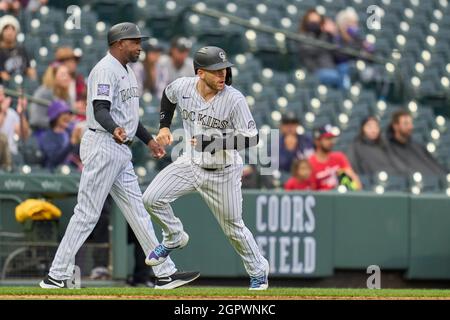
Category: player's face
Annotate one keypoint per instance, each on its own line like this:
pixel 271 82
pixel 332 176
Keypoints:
pixel 132 48
pixel 215 79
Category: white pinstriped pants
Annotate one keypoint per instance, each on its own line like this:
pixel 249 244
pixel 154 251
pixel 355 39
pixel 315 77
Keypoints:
pixel 221 191
pixel 107 169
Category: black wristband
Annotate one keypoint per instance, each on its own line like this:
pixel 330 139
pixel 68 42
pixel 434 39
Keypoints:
pixel 143 134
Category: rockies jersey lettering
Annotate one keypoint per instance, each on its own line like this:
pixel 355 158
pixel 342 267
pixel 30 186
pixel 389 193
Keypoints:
pixel 127 94
pixel 204 119
pixel 110 80
pixel 226 112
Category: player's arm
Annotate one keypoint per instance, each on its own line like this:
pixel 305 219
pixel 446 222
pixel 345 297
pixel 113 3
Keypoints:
pixel 145 136
pixel 103 116
pixel 102 84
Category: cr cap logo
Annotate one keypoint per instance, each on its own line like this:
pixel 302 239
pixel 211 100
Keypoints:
pixel 222 56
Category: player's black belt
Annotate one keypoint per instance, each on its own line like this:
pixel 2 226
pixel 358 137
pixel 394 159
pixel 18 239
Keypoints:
pixel 215 169
pixel 128 142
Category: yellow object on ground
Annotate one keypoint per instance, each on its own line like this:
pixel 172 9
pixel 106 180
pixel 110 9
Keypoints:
pixel 36 209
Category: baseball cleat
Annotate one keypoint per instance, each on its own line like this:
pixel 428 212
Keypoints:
pixel 176 280
pixel 51 283
pixel 161 252
pixel 260 283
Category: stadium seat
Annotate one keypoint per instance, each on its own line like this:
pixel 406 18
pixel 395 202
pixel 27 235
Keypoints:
pixel 393 183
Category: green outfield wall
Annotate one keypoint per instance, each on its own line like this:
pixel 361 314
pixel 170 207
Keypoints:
pixel 308 235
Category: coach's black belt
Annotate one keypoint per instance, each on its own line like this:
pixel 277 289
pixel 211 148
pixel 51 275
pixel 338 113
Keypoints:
pixel 215 169
pixel 128 142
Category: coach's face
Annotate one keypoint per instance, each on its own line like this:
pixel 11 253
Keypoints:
pixel 215 79
pixel 131 49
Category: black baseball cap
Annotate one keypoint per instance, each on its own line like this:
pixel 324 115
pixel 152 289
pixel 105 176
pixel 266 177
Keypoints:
pixel 289 117
pixel 325 131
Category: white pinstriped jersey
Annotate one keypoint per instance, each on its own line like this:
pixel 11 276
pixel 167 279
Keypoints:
pixel 109 80
pixel 227 112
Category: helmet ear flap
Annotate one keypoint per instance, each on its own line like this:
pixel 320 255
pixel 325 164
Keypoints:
pixel 229 77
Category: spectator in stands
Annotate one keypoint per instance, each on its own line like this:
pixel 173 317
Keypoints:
pixel 326 164
pixel 145 70
pixel 10 6
pixel 175 65
pixel 318 60
pixel 350 36
pixel 369 152
pixel 35 5
pixel 57 143
pixel 5 154
pixel 13 123
pixel 412 156
pixel 14 59
pixel 55 86
pixel 292 145
pixel 77 87
pixel 302 178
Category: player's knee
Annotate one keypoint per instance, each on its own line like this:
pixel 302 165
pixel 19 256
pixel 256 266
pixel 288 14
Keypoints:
pixel 84 220
pixel 233 228
pixel 150 199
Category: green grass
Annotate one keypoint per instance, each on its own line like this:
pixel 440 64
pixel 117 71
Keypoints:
pixel 228 291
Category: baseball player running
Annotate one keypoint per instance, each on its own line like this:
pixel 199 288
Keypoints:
pixel 113 121
pixel 217 123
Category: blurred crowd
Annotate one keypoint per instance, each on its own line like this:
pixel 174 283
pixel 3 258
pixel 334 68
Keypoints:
pixel 47 131
pixel 332 67
pixel 315 166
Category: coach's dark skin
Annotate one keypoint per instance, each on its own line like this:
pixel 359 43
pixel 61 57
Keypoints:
pixel 128 50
